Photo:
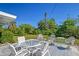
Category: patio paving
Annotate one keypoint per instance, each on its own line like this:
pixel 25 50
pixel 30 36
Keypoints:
pixel 53 50
pixel 4 51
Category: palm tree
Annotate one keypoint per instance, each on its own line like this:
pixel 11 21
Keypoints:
pixel 12 26
pixel 46 23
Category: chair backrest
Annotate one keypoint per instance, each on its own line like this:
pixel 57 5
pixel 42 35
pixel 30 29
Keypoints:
pixel 46 45
pixel 40 37
pixel 43 48
pixel 13 50
pixel 52 38
pixel 70 40
pixel 21 40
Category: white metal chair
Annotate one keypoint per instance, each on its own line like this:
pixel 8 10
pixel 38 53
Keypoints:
pixel 14 52
pixel 52 39
pixel 41 49
pixel 70 41
pixel 21 40
pixel 40 37
pixel 45 49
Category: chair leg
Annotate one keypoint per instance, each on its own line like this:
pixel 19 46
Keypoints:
pixel 49 53
pixel 44 53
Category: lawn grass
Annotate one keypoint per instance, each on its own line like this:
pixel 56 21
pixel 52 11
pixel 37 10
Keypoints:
pixel 30 36
pixel 60 40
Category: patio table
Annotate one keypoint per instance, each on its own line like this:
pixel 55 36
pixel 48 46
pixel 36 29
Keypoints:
pixel 30 45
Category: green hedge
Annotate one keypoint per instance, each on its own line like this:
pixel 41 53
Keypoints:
pixel 7 36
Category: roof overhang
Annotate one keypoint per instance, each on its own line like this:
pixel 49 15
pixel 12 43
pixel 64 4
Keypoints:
pixel 6 18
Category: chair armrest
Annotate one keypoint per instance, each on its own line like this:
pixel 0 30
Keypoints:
pixel 19 52
pixel 36 50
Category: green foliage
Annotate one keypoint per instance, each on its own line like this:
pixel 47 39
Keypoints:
pixel 36 31
pixel 7 36
pixel 41 25
pixel 46 32
pixel 19 32
pixel 27 28
pixel 68 28
pixel 69 21
pixel 77 32
pixel 48 28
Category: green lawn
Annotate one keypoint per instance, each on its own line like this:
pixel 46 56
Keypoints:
pixel 60 41
pixel 30 36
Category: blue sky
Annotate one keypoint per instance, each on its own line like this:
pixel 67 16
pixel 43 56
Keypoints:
pixel 32 13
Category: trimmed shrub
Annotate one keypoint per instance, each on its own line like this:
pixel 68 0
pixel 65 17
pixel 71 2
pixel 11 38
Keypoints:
pixel 19 32
pixel 7 36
